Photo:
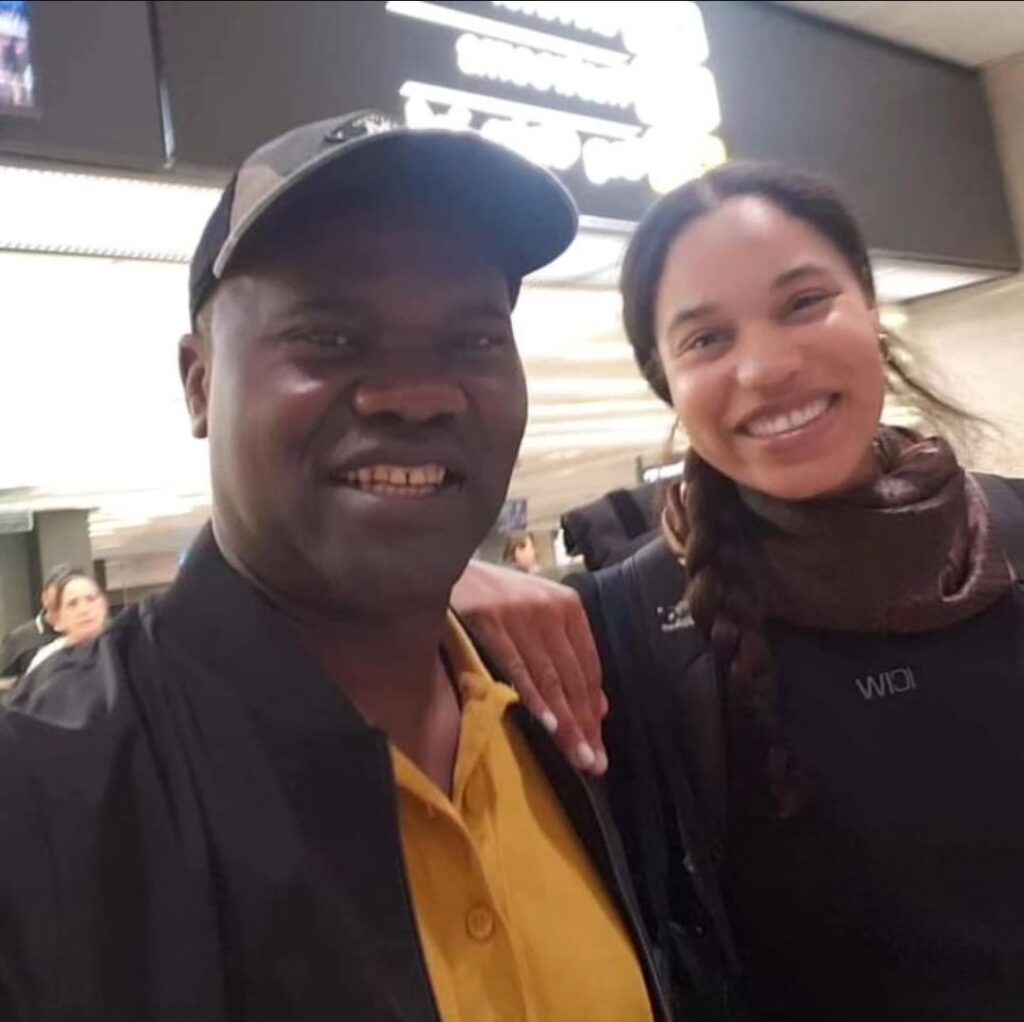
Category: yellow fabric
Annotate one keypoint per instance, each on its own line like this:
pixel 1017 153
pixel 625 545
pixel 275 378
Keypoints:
pixel 514 920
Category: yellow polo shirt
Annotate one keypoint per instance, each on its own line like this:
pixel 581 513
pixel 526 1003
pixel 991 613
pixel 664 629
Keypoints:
pixel 514 920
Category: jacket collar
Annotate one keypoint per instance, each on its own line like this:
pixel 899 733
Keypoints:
pixel 249 643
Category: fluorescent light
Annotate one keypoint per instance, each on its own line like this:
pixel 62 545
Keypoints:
pixel 901 280
pixel 535 348
pixel 588 387
pixel 640 440
pixel 655 423
pixel 563 410
pixel 85 214
pixel 462 21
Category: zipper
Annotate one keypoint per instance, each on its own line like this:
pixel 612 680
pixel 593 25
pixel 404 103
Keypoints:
pixel 384 755
pixel 624 887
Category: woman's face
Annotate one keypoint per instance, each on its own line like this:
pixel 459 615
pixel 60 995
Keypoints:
pixel 525 554
pixel 83 610
pixel 770 348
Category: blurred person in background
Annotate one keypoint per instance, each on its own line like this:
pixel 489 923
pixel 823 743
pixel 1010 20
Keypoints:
pixel 521 554
pixel 829 636
pixel 23 642
pixel 616 525
pixel 80 611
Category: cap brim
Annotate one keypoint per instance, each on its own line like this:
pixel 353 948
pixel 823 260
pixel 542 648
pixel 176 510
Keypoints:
pixel 526 210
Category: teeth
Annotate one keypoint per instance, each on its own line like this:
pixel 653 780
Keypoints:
pixel 775 425
pixel 396 480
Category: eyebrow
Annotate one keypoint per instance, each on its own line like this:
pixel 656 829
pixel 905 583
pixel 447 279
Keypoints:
pixel 479 309
pixel 797 273
pixel 684 316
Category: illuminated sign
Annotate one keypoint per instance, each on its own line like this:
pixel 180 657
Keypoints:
pixel 657 96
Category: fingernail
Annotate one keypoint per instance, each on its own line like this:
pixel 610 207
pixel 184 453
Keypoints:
pixel 550 722
pixel 585 755
pixel 601 762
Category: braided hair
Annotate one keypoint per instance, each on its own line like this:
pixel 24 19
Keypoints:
pixel 707 522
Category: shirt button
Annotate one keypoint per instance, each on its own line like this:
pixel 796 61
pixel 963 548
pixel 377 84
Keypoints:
pixel 480 922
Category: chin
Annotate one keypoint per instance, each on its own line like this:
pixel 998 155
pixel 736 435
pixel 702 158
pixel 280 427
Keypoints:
pixel 388 585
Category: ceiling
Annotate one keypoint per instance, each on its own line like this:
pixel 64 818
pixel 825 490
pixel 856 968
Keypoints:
pixel 970 32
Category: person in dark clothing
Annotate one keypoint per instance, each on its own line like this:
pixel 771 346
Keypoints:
pixel 829 635
pixel 290 789
pixel 608 530
pixel 22 643
pixel 80 610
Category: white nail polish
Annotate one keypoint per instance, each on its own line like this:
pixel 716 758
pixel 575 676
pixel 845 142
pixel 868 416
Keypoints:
pixel 601 763
pixel 550 722
pixel 585 755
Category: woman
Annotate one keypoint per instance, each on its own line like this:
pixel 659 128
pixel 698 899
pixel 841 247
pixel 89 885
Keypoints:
pixel 520 553
pixel 80 613
pixel 853 607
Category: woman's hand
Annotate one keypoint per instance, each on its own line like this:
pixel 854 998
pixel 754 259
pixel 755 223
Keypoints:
pixel 537 633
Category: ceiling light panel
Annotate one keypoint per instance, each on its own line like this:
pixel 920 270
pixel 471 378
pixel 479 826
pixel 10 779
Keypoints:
pixel 85 214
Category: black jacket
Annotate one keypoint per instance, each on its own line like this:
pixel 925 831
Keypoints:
pixel 898 893
pixel 22 644
pixel 196 827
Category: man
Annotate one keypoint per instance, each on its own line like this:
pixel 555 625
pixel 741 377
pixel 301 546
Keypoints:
pixel 290 790
pixel 23 642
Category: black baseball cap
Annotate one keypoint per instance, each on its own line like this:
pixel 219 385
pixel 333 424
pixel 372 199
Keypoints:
pixel 524 209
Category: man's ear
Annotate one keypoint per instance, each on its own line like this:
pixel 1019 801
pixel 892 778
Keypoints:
pixel 194 367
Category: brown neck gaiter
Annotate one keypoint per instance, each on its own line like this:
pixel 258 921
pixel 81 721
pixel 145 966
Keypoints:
pixel 910 552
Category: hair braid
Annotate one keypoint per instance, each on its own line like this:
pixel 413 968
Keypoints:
pixel 725 597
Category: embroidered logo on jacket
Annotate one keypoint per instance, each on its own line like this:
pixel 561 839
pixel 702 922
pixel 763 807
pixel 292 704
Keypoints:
pixel 672 619
pixel 893 682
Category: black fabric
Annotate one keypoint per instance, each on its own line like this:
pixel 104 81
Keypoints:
pixel 898 895
pixel 1005 500
pixel 201 280
pixel 21 645
pixel 685 909
pixel 632 511
pixel 197 827
pixel 608 530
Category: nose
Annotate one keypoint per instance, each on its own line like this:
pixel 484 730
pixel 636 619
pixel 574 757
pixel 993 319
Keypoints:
pixel 412 401
pixel 767 359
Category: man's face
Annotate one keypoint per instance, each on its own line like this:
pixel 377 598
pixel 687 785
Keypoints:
pixel 364 402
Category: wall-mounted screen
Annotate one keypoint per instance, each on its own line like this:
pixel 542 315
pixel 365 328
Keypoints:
pixel 17 76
